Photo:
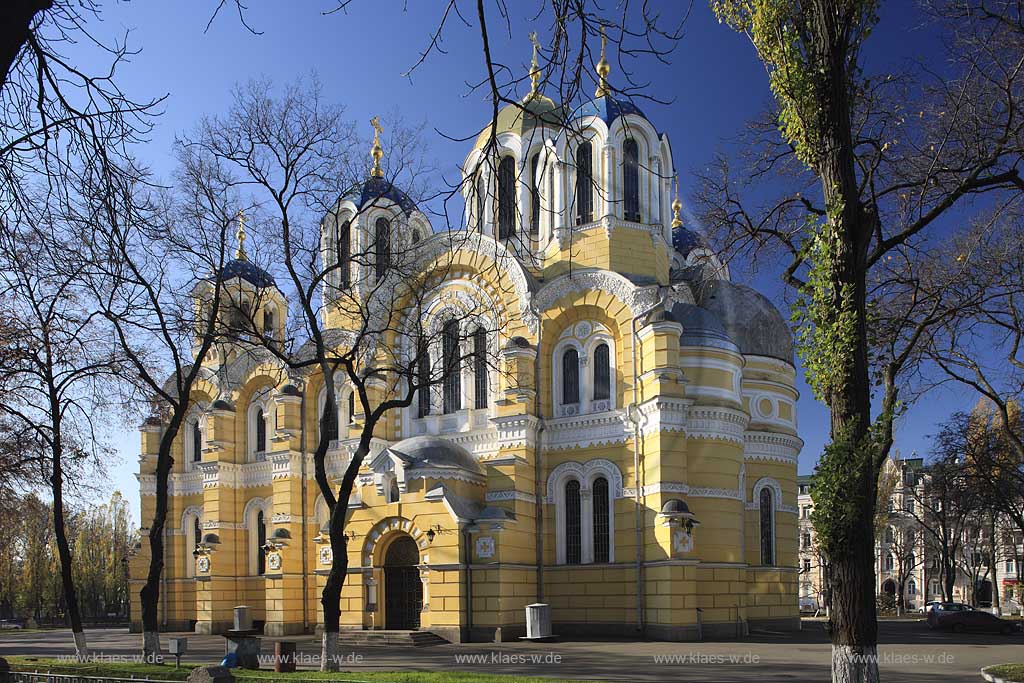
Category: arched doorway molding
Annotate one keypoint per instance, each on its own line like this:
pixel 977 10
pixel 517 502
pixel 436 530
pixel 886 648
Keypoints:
pixel 403 585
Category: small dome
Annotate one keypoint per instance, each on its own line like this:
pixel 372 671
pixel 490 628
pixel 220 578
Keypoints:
pixel 660 315
pixel 435 452
pixel 701 327
pixel 608 109
pixel 289 390
pixel 517 343
pixel 281 534
pixel 376 188
pixel 749 318
pixel 675 506
pixel 521 119
pixel 248 271
pixel 684 241
pixel 211 539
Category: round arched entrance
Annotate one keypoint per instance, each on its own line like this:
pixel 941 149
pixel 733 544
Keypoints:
pixel 403 590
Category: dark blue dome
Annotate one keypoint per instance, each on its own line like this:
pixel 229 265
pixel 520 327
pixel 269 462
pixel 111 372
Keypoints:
pixel 608 109
pixel 684 241
pixel 247 271
pixel 379 188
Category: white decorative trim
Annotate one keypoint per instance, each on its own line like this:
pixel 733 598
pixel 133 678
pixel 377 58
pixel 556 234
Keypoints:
pixel 509 494
pixel 585 473
pixel 585 430
pixel 765 482
pixel 515 431
pixel 721 424
pixel 638 299
pixel 659 487
pixel 444 473
pixel 664 414
pixel 772 447
pixel 729 494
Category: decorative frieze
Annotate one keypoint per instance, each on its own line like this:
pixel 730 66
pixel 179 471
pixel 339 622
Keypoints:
pixel 595 429
pixel 509 494
pixel 716 423
pixel 772 447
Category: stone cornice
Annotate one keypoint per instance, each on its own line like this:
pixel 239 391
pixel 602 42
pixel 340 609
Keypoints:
pixel 717 423
pixel 581 431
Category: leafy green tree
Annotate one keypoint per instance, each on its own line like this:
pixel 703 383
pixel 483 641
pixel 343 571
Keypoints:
pixel 869 166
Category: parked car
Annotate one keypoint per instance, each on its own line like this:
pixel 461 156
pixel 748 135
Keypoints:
pixel 8 624
pixel 958 618
pixel 928 606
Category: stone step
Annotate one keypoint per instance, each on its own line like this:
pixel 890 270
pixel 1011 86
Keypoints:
pixel 403 638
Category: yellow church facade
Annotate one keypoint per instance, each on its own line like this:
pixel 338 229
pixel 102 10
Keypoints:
pixel 632 464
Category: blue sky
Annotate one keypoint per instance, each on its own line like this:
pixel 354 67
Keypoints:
pixel 714 83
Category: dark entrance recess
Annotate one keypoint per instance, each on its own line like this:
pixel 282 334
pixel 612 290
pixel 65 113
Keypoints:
pixel 403 590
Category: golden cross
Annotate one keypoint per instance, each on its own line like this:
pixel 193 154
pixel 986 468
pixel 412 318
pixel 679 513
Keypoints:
pixel 240 252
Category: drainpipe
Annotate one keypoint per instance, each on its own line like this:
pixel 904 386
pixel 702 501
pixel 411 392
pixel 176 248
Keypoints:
pixel 305 540
pixel 634 417
pixel 467 541
pixel 537 480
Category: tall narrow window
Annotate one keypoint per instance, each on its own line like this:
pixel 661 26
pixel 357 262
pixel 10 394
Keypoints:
pixel 602 373
pixel 602 540
pixel 269 328
pixel 197 442
pixel 584 184
pixel 450 358
pixel 573 529
pixel 329 420
pixel 345 253
pixel 570 376
pixel 261 539
pixel 631 180
pixel 534 195
pixel 767 528
pixel 507 198
pixel 351 406
pixel 415 236
pixel 261 431
pixel 480 368
pixel 382 247
pixel 197 532
pixel 480 195
pixel 423 399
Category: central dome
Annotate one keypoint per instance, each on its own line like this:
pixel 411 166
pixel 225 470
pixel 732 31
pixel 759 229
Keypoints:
pixel 521 119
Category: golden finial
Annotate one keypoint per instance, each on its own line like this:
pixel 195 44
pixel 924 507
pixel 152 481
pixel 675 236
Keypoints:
pixel 677 206
pixel 240 234
pixel 602 69
pixel 534 66
pixel 377 152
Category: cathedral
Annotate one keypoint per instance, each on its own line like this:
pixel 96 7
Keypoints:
pixel 639 477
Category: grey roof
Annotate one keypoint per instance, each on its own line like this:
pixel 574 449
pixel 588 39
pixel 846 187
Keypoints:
pixel 701 327
pixel 435 452
pixel 749 318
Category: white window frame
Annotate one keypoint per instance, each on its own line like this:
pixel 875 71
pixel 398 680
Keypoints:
pixel 191 513
pixel 585 348
pixel 252 509
pixel 195 416
pixel 776 491
pixel 262 400
pixel 585 473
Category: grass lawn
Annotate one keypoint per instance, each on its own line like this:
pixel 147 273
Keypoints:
pixel 1011 672
pixel 167 672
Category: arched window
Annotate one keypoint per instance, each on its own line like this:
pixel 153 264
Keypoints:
pixel 393 493
pixel 890 537
pixel 602 373
pixel 269 327
pixel 344 247
pixel 328 419
pixel 261 431
pixel 534 195
pixel 197 441
pixel 382 247
pixel 351 406
pixel 767 527
pixel 197 532
pixel 415 236
pixel 194 536
pixel 602 542
pixel 480 368
pixel 912 587
pixel 570 377
pixel 573 528
pixel 507 198
pixel 261 539
pixel 452 384
pixel 480 195
pixel 584 183
pixel 423 398
pixel 631 180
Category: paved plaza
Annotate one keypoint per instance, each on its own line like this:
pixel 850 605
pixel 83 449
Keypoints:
pixel 909 652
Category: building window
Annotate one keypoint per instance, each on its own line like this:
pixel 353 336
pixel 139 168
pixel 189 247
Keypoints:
pixel 534 196
pixel 423 378
pixel 584 183
pixel 806 541
pixel 450 358
pixel 767 528
pixel 1010 567
pixel 570 376
pixel 507 198
pixel 345 253
pixel 631 180
pixel 807 565
pixel 197 441
pixel 415 236
pixel 261 431
pixel 479 194
pixel 351 406
pixel 888 562
pixel 328 420
pixel 890 537
pixel 601 531
pixel 573 529
pixel 382 247
pixel 261 539
pixel 912 587
pixel 269 329
pixel 393 493
pixel 602 373
pixel 480 368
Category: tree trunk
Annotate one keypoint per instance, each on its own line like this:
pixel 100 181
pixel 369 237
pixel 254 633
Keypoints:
pixel 16 17
pixel 149 596
pixel 64 552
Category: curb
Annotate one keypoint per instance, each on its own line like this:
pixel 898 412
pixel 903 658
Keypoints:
pixel 994 679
